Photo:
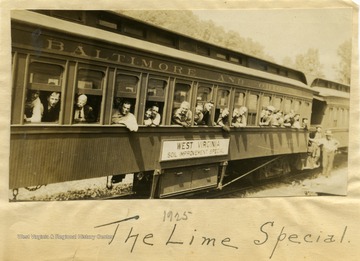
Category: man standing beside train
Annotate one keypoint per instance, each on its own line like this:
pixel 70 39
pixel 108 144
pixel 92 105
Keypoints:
pixel 329 147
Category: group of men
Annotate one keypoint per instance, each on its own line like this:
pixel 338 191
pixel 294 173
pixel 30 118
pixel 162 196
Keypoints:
pixel 37 111
pixel 274 118
pixel 181 116
pixel 202 116
pixel 49 110
pixel 324 146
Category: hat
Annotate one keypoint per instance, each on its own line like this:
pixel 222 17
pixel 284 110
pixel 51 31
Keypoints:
pixel 328 133
pixel 270 108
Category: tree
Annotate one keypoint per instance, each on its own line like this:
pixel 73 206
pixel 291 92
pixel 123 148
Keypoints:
pixel 343 69
pixel 288 62
pixel 309 63
pixel 187 23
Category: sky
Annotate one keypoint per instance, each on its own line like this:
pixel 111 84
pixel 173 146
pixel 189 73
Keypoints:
pixel 290 32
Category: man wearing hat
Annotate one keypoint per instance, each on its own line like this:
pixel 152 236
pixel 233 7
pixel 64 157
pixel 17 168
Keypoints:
pixel 329 146
pixel 239 117
pixel 267 118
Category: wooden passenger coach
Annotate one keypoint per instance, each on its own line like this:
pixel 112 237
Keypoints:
pixel 331 107
pixel 94 53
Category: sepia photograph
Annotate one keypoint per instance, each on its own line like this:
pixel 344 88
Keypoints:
pixel 179 130
pixel 190 104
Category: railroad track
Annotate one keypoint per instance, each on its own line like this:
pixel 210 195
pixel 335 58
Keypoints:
pixel 241 189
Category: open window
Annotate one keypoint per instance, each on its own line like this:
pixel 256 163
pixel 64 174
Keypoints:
pixel 126 89
pixel 265 101
pixel 297 106
pixel 287 105
pixel 155 99
pixel 204 93
pixel 239 99
pixel 181 94
pixel 252 104
pixel 203 112
pixel 181 114
pixel 89 91
pixel 45 75
pixel 43 93
pixel 222 112
pixel 277 103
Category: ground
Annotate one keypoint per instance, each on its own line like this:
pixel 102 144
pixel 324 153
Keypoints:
pixel 318 184
pixel 90 189
pixel 72 190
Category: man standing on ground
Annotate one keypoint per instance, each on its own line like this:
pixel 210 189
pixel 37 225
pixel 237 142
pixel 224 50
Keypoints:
pixel 329 147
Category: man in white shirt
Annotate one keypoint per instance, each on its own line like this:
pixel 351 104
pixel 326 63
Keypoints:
pixel 34 108
pixel 125 117
pixel 329 147
pixel 152 116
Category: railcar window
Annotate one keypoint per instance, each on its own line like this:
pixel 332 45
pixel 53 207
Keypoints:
pixel 341 115
pixel 287 106
pixel 126 85
pixel 346 117
pixel 45 73
pixel 90 79
pixel 335 115
pixel 277 103
pixel 282 72
pixel 257 64
pixel 77 16
pixel 165 39
pixel 203 112
pixel 203 50
pixel 222 107
pixel 87 108
pixel 181 114
pixel 204 94
pixel 155 99
pixel 306 109
pixel 108 24
pixel 156 90
pixel 272 69
pixel 88 99
pixel 330 117
pixel 43 95
pixel 182 93
pixel 239 99
pixel 222 98
pixel 187 45
pixel 234 59
pixel 265 101
pixel 296 106
pixel 252 104
pixel 134 31
pixel 42 106
pixel 221 56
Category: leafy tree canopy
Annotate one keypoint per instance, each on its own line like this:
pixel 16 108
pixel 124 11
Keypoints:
pixel 187 23
pixel 343 69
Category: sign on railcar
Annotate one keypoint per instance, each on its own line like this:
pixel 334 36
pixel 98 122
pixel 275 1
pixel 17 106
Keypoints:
pixel 180 149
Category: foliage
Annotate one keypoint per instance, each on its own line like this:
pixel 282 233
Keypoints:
pixel 309 63
pixel 187 23
pixel 344 67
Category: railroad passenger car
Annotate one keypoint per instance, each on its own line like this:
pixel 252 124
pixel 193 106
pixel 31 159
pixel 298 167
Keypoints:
pixel 331 107
pixel 111 58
